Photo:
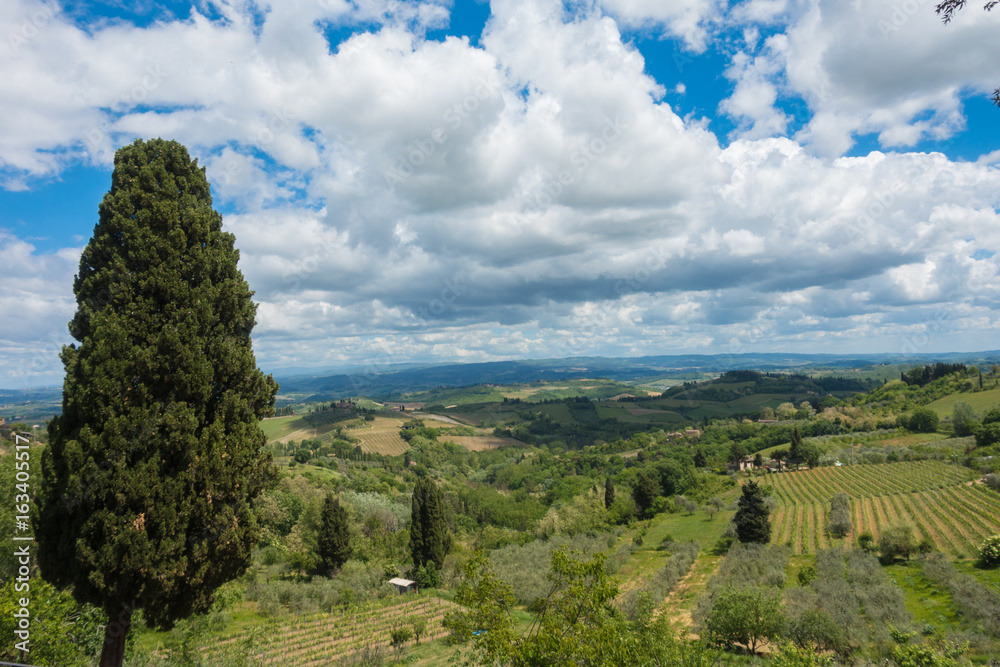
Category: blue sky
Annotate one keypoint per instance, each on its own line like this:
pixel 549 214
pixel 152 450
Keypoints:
pixel 526 178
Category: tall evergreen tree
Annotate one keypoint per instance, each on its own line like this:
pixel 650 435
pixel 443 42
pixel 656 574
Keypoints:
pixel 609 493
pixel 699 459
pixel 795 448
pixel 753 518
pixel 158 454
pixel 429 539
pixel 646 489
pixel 334 540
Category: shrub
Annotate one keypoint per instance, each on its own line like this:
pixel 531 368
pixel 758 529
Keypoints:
pixel 840 515
pixel 897 541
pixel 923 420
pixel 989 553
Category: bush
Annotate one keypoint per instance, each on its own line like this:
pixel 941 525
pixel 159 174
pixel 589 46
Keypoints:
pixel 989 553
pixel 895 542
pixel 923 420
pixel 840 515
pixel 993 481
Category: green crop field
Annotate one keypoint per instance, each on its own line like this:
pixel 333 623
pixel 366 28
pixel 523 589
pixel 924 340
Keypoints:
pixel 933 497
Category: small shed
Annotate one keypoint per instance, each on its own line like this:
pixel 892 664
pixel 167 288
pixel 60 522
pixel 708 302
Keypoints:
pixel 404 585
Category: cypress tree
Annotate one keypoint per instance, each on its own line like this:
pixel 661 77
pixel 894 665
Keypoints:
pixel 429 541
pixel 609 493
pixel 645 491
pixel 795 449
pixel 436 541
pixel 699 459
pixel 753 523
pixel 334 540
pixel 153 464
pixel 417 525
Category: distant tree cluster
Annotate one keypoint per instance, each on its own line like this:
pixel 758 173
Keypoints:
pixel 924 375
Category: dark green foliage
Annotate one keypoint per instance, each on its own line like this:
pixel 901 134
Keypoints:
pixel 992 416
pixel 925 374
pixel 988 434
pixel 866 542
pixel 795 448
pixel 333 544
pixel 753 523
pixel 699 459
pixel 806 575
pixel 429 539
pixel 923 420
pixel 488 507
pixel 158 453
pixel 609 493
pixel 647 488
pixel 810 454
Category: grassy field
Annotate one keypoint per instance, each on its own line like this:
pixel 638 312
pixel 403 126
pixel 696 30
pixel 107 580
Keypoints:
pixel 278 427
pixel 935 498
pixel 481 443
pixel 981 401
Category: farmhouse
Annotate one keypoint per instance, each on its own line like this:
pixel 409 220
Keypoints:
pixel 743 464
pixel 404 585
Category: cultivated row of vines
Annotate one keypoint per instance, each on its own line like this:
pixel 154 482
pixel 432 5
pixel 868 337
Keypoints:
pixel 357 634
pixel 933 497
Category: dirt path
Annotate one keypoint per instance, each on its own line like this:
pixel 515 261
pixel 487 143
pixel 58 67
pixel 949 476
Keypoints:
pixel 679 603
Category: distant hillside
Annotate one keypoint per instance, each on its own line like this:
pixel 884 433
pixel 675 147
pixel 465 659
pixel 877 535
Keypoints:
pixel 392 382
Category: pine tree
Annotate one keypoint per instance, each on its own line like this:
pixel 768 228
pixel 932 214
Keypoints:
pixel 609 493
pixel 753 523
pixel 158 454
pixel 334 540
pixel 429 539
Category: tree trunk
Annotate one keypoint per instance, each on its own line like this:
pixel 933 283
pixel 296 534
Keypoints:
pixel 115 632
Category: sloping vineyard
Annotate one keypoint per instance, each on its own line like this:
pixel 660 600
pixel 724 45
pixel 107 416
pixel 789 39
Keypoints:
pixel 352 635
pixel 933 497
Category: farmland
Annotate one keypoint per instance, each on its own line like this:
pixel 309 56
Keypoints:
pixel 380 436
pixel 934 498
pixel 480 443
pixel 318 638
